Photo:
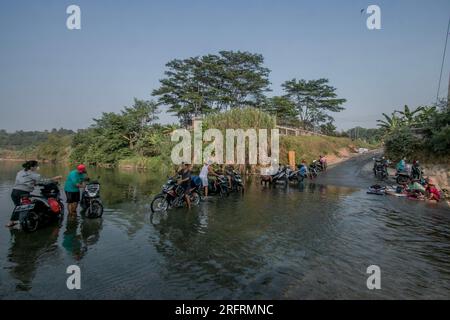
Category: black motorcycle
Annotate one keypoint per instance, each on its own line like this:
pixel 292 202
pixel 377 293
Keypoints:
pixel 321 166
pixel 402 177
pixel 172 196
pixel 236 182
pixel 90 203
pixel 295 175
pixel 281 176
pixel 313 170
pixel 37 211
pixel 380 169
pixel 219 186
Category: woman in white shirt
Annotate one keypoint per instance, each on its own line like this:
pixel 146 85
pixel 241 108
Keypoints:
pixel 204 172
pixel 26 180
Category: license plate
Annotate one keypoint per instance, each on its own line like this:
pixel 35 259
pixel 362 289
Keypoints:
pixel 24 207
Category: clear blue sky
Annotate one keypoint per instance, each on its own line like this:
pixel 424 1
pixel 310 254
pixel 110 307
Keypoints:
pixel 53 77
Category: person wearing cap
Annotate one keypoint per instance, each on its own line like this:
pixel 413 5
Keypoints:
pixel 72 187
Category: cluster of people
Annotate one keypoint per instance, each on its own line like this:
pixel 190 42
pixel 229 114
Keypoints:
pixel 410 180
pixel 315 167
pixel 188 181
pixel 424 189
pixel 28 178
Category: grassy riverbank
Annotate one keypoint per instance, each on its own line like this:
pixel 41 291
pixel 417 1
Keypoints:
pixel 107 145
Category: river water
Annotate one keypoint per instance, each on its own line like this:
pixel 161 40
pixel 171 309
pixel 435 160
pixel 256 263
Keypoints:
pixel 313 241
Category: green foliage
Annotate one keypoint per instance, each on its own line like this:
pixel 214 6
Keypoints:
pixel 313 100
pixel 56 148
pixel 21 140
pixel 129 135
pixel 371 136
pixel 283 109
pixel 328 129
pixel 421 134
pixel 201 85
pixel 240 119
pixel 401 143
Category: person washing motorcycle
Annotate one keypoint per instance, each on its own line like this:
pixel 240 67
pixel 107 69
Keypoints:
pixel 185 182
pixel 75 181
pixel 204 173
pixel 26 180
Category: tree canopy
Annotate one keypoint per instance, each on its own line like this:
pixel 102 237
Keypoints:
pixel 313 99
pixel 200 85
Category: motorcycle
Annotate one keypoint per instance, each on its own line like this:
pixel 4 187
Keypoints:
pixel 281 175
pixel 219 186
pixel 402 177
pixel 321 166
pixel 294 175
pixel 236 182
pixel 380 169
pixel 39 210
pixel 172 196
pixel 313 170
pixel 90 203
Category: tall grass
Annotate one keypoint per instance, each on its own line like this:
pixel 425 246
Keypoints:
pixel 240 119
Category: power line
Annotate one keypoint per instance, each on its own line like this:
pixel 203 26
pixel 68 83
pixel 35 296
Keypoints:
pixel 443 59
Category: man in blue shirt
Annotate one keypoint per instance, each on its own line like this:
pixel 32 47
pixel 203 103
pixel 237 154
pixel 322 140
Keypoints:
pixel 72 187
pixel 303 169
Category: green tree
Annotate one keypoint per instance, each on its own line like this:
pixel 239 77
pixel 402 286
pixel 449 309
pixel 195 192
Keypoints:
pixel 328 129
pixel 408 117
pixel 313 100
pixel 201 85
pixel 283 109
pixel 389 123
pixel 115 136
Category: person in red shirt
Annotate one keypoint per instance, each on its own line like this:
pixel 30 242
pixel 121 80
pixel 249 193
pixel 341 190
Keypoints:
pixel 432 192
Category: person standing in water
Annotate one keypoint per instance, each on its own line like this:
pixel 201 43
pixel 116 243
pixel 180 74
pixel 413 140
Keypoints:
pixel 185 182
pixel 26 180
pixel 206 170
pixel 74 182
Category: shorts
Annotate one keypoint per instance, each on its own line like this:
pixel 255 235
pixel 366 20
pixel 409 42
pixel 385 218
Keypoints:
pixel 72 197
pixel 186 188
pixel 16 196
pixel 204 181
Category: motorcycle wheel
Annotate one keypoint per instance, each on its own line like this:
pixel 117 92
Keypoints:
pixel 159 204
pixel 224 191
pixel 95 210
pixel 31 222
pixel 195 198
pixel 402 179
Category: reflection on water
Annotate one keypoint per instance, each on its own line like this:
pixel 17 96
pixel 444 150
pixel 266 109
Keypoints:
pixel 26 250
pixel 79 235
pixel 306 241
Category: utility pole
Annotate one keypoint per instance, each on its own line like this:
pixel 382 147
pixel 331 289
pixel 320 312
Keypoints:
pixel 443 60
pixel 448 92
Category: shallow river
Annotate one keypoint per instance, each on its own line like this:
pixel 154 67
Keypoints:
pixel 302 242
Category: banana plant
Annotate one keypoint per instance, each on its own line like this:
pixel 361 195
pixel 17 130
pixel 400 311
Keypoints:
pixel 389 123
